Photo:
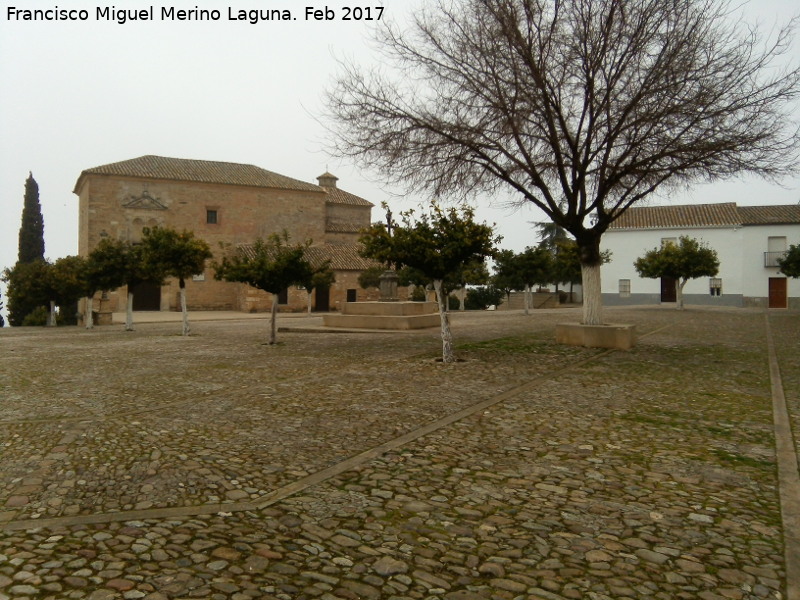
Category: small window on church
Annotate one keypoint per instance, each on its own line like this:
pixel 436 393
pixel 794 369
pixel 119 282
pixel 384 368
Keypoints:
pixel 211 216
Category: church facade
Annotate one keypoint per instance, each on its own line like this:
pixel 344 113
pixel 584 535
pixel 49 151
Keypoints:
pixel 229 205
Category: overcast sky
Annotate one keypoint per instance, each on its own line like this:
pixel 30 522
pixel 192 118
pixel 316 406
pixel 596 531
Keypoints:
pixel 79 94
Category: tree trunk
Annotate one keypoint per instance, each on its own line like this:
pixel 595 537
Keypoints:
pixel 185 329
pixel 309 302
pixel 447 337
pixel 589 248
pixel 462 298
pixel 129 313
pixel 89 318
pixel 592 296
pixel 679 292
pixel 51 317
pixel 527 297
pixel 272 323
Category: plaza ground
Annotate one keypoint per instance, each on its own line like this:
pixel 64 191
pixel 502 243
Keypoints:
pixel 150 465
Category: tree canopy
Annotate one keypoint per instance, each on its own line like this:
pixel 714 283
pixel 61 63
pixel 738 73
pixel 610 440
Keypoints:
pixel 790 264
pixel 688 259
pixel 271 265
pixel 582 108
pixel 175 254
pixel 27 289
pixel 437 244
pixel 31 231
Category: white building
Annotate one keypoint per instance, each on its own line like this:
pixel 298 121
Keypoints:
pixel 748 241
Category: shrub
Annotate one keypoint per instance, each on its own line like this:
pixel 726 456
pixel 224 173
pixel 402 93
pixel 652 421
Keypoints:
pixel 36 318
pixel 480 298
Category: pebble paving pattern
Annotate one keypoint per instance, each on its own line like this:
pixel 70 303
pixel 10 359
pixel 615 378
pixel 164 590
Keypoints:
pixel 606 475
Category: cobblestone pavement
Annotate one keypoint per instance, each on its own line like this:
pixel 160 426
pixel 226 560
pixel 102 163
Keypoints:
pixel 148 465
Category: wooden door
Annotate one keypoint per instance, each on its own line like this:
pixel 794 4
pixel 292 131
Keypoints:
pixel 147 296
pixel 668 290
pixel 322 299
pixel 777 292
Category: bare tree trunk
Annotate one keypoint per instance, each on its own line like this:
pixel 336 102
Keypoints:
pixel 129 313
pixel 592 295
pixel 89 318
pixel 185 329
pixel 309 302
pixel 462 298
pixel 272 323
pixel 51 317
pixel 447 338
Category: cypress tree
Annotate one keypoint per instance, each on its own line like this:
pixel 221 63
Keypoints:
pixel 31 232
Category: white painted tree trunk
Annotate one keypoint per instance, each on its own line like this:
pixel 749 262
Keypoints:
pixel 309 302
pixel 129 313
pixel 272 323
pixel 592 295
pixel 447 338
pixel 185 329
pixel 527 297
pixel 89 318
pixel 462 298
pixel 679 292
pixel 51 318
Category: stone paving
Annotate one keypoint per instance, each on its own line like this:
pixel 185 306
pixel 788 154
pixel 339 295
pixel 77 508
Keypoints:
pixel 142 465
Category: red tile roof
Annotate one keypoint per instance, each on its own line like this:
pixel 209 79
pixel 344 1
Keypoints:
pixel 200 171
pixel 337 196
pixel 726 214
pixel 342 257
pixel 770 215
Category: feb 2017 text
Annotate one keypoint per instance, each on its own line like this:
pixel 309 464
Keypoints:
pixel 171 13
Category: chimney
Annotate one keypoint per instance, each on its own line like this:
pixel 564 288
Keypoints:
pixel 327 180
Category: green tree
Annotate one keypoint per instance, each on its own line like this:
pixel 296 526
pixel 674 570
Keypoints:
pixel 31 231
pixel 437 244
pixel 581 108
pixel 105 267
pixel 175 254
pixel 123 262
pixel 482 297
pixel 790 264
pixel 26 289
pixel 567 264
pixel 371 278
pixel 271 265
pixel 474 273
pixel 535 266
pixel 320 277
pixel 66 283
pixel 506 276
pixel 688 259
pixel 2 319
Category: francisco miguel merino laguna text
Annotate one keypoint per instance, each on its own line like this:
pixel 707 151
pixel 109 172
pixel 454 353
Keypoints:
pixel 170 13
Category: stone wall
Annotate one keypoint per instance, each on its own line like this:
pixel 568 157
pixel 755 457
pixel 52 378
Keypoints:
pixel 120 207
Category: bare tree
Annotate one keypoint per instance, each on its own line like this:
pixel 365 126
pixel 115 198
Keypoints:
pixel 581 107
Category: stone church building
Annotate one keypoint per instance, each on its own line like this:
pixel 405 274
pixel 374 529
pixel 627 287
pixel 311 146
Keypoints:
pixel 230 204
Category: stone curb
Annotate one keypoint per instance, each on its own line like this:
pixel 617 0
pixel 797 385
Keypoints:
pixel 788 473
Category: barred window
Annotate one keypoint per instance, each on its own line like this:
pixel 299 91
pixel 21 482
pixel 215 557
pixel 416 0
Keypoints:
pixel 715 285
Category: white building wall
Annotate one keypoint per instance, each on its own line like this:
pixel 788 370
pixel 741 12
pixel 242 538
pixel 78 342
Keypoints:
pixel 628 245
pixel 754 245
